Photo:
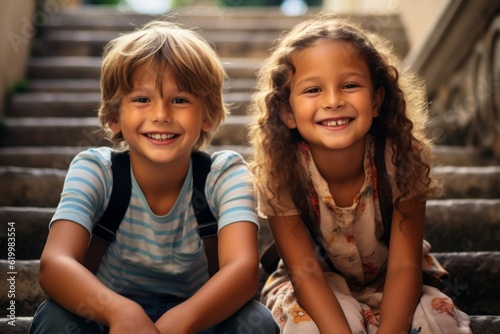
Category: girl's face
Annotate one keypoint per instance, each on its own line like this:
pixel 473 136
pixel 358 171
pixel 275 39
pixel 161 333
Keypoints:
pixel 331 96
pixel 160 123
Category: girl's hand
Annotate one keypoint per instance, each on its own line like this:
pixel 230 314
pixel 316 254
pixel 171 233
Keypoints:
pixel 311 288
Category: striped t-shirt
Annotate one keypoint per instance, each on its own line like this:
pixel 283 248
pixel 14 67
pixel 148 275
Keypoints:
pixel 160 255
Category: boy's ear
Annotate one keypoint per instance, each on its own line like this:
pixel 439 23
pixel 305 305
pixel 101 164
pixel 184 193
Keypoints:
pixel 206 125
pixel 378 98
pixel 114 125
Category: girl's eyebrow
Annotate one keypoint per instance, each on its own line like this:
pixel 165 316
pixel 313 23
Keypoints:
pixel 346 74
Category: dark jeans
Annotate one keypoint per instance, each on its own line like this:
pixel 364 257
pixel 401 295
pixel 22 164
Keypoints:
pixel 51 318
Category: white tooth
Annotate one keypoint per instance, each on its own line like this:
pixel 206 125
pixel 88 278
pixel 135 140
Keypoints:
pixel 163 136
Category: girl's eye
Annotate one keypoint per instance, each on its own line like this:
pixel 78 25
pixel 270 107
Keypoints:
pixel 312 90
pixel 351 85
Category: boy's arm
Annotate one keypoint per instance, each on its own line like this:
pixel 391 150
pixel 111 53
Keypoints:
pixel 228 290
pixel 311 288
pixel 404 271
pixel 65 280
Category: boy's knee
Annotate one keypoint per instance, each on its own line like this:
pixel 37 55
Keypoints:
pixel 252 318
pixel 51 318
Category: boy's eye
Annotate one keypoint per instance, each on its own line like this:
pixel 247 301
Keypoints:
pixel 179 100
pixel 141 100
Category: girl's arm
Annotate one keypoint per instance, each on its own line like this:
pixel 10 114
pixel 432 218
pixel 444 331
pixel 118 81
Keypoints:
pixel 403 285
pixel 311 288
pixel 65 280
pixel 228 290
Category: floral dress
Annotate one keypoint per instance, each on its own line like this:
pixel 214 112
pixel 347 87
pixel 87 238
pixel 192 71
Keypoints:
pixel 350 236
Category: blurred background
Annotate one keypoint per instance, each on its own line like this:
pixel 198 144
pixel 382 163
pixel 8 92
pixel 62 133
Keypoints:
pixel 50 56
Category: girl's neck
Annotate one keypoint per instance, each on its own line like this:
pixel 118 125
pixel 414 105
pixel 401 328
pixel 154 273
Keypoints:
pixel 343 170
pixel 339 166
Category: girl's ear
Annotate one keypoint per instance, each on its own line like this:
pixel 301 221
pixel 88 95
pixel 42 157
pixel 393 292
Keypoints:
pixel 378 98
pixel 289 119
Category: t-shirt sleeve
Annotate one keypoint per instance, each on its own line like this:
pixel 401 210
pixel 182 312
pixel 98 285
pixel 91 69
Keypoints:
pixel 229 189
pixel 87 187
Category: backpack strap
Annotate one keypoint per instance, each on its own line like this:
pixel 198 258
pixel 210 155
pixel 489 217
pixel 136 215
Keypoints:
pixel 383 189
pixel 104 230
pixel 207 224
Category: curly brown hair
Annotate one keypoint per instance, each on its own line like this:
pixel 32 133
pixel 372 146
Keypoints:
pixel 194 64
pixel 403 114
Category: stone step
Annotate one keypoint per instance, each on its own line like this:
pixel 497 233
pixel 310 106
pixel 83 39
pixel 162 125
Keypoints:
pixel 60 157
pixel 206 18
pixel 85 131
pixel 90 67
pixel 467 225
pixel 447 155
pixel 473 282
pixel 487 324
pixel 470 182
pixel 92 85
pixel 227 43
pixel 451 225
pixel 41 187
pixel 214 20
pixel 77 104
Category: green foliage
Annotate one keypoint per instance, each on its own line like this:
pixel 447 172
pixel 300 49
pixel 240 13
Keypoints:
pixel 19 86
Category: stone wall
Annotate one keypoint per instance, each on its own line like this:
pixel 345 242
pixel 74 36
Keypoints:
pixel 460 63
pixel 16 28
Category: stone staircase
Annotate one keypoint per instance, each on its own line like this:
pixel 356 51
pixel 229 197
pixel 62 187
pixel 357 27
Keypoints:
pixel 56 118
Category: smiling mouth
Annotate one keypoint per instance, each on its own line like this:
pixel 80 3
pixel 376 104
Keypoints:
pixel 339 122
pixel 160 136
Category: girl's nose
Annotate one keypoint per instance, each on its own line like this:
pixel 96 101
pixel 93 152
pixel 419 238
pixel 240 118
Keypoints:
pixel 333 101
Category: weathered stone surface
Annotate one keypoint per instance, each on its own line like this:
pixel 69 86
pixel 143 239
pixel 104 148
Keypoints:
pixel 31 228
pixel 24 277
pixel 473 291
pixel 470 182
pixel 20 325
pixel 463 225
pixel 86 131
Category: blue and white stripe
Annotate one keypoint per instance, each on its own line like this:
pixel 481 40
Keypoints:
pixel 163 255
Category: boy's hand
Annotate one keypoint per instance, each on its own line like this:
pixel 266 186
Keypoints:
pixel 132 319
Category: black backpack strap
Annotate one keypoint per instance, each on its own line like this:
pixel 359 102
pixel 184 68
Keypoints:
pixel 104 230
pixel 383 188
pixel 207 224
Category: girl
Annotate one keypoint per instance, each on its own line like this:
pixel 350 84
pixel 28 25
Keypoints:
pixel 327 94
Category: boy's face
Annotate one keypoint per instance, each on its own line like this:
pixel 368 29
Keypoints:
pixel 160 123
pixel 331 96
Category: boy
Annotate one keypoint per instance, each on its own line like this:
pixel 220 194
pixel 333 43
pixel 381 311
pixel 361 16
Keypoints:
pixel 161 99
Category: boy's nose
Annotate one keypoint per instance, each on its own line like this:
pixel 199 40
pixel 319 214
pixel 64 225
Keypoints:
pixel 161 114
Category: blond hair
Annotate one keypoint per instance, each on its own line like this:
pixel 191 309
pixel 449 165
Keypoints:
pixel 193 63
